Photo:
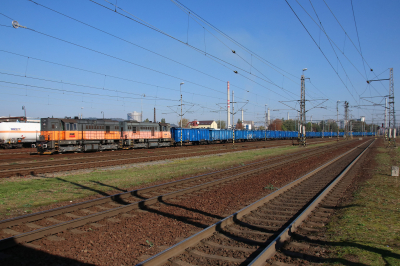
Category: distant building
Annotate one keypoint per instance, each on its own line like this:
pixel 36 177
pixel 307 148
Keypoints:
pixel 135 116
pixel 13 119
pixel 203 124
pixel 341 124
pixel 248 125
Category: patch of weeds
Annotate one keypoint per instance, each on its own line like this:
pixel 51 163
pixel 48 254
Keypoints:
pixel 27 205
pixel 51 159
pixel 150 243
pixel 270 187
pixel 13 163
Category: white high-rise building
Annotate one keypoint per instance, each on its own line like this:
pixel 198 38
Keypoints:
pixel 137 116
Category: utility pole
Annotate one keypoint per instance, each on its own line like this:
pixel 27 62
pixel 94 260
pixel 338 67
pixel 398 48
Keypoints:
pixel 233 118
pixel 180 90
pixel 337 118
pixel 228 122
pixel 392 116
pixel 385 125
pixel 302 136
pixel 265 124
pixel 23 108
pixel 233 115
pixel 346 118
pixel 392 113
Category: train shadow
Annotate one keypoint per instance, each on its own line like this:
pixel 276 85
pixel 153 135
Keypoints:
pixel 191 209
pixel 84 187
pixel 105 185
pixel 385 254
pixel 116 198
pixel 23 255
pixel 184 219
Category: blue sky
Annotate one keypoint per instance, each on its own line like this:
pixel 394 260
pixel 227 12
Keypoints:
pixel 59 65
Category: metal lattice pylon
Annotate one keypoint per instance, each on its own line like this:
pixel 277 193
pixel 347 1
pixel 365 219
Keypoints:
pixel 392 115
pixel 303 110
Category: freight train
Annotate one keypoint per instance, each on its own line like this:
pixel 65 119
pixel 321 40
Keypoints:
pixel 18 134
pixel 59 135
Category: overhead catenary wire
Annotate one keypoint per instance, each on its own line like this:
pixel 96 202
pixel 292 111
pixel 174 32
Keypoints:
pixel 123 98
pixel 320 49
pixel 103 74
pixel 233 51
pixel 129 62
pixel 107 75
pixel 122 39
pixel 323 29
pixel 358 51
pixel 192 13
pixel 333 42
pixel 358 37
pixel 337 47
pixel 217 59
pixel 120 59
pixel 176 2
pixel 6 16
pixel 132 44
pixel 82 85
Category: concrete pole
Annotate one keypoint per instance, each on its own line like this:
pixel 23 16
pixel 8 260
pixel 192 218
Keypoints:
pixel 337 118
pixel 265 124
pixel 180 90
pixel 228 122
pixel 233 117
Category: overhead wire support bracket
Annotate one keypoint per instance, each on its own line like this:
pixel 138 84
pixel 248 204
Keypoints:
pixel 16 25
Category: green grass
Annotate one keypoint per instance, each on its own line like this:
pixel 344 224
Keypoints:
pixel 18 196
pixel 368 230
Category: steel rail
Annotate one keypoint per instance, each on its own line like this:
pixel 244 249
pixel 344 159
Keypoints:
pixel 177 249
pixel 277 243
pixel 39 233
pixel 119 196
pixel 28 168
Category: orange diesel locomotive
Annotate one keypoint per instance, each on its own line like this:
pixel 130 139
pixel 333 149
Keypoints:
pixel 60 135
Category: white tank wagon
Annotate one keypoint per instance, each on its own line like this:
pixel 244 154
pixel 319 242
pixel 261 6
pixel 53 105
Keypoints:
pixel 18 134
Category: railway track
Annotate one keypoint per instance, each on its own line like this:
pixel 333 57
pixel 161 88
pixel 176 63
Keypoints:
pixel 38 225
pixel 92 160
pixel 9 156
pixel 252 235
